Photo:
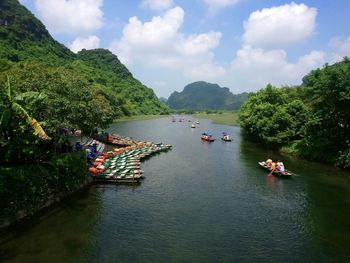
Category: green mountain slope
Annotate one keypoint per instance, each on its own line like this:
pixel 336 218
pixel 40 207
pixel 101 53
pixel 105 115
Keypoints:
pixel 202 95
pixel 25 40
pixel 23 37
pixel 108 71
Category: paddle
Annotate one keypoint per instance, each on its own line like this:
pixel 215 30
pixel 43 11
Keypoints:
pixel 271 172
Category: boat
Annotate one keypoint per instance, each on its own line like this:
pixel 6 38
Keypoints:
pixel 225 137
pixel 207 137
pixel 193 126
pixel 197 122
pixel 285 174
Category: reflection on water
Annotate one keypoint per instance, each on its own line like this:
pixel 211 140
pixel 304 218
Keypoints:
pixel 63 232
pixel 199 202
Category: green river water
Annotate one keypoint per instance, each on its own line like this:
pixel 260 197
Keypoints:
pixel 200 202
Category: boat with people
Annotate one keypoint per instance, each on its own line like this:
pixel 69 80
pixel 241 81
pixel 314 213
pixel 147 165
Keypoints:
pixel 225 137
pixel 207 137
pixel 276 171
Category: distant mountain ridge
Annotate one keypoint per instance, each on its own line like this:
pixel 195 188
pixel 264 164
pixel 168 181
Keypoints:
pixel 202 95
pixel 25 40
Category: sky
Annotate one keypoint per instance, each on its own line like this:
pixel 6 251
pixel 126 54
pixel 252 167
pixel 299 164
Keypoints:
pixel 239 44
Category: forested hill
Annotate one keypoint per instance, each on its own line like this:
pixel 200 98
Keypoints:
pixel 23 37
pixel 202 95
pixel 103 67
pixel 25 42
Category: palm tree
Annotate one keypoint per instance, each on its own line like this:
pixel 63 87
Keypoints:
pixel 20 111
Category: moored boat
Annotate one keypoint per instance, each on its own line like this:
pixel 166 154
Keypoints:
pixel 285 174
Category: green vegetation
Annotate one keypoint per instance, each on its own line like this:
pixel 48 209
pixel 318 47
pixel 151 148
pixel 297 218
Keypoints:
pixel 311 120
pixel 24 41
pixel 28 187
pixel 44 88
pixel 201 96
pixel 43 85
pixel 140 117
pixel 227 118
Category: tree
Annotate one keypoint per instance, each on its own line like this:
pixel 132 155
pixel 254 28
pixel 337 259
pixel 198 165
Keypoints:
pixel 328 93
pixel 270 117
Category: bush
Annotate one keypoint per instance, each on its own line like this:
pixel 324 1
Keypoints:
pixel 28 187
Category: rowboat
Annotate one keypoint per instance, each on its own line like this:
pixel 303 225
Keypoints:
pixel 225 137
pixel 285 174
pixel 207 137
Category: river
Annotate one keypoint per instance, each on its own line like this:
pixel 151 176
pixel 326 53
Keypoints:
pixel 200 202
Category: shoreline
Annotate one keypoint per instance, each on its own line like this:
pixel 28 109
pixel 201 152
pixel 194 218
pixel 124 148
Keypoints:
pixel 225 118
pixel 140 118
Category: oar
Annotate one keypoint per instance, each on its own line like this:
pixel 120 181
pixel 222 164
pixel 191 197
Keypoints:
pixel 271 172
pixel 292 173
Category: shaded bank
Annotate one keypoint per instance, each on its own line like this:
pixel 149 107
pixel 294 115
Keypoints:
pixel 26 189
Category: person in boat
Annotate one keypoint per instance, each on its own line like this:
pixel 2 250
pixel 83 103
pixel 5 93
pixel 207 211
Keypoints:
pixel 273 167
pixel 225 136
pixel 268 162
pixel 280 166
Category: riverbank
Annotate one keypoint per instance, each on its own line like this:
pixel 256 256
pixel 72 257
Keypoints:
pixel 226 118
pixel 27 189
pixel 140 118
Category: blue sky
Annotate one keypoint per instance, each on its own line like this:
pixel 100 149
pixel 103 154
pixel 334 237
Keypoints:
pixel 239 44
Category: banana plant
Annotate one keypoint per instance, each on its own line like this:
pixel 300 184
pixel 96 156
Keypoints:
pixel 20 111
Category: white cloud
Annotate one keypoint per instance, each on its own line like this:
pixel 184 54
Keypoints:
pixel 159 43
pixel 215 5
pixel 73 17
pixel 280 26
pixel 340 48
pixel 157 5
pixel 255 67
pixel 89 42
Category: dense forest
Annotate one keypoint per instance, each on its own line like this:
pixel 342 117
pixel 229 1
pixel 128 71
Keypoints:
pixel 311 120
pixel 202 96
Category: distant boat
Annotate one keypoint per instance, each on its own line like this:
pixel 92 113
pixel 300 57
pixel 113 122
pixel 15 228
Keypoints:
pixel 193 126
pixel 197 122
pixel 207 137
pixel 225 137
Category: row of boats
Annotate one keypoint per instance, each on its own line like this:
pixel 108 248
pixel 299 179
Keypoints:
pixel 123 165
